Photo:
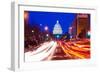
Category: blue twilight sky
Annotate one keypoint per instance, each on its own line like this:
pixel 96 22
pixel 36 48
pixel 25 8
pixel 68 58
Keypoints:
pixel 49 19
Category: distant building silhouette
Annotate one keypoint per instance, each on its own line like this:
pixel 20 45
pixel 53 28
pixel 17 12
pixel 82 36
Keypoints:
pixel 80 26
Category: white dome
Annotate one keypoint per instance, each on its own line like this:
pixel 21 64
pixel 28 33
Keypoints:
pixel 57 28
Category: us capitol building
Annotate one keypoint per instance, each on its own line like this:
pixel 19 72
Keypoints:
pixel 57 31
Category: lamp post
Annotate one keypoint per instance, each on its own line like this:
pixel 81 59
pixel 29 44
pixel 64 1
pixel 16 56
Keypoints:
pixel 47 35
pixel 46 28
pixel 32 31
pixel 70 32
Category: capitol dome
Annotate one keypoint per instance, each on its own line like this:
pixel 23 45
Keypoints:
pixel 57 28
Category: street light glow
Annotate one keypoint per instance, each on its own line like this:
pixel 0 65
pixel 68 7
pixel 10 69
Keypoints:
pixel 32 30
pixel 89 33
pixel 57 36
pixel 47 35
pixel 46 28
pixel 40 24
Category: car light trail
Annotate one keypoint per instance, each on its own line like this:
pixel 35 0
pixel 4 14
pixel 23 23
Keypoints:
pixel 71 50
pixel 68 49
pixel 41 55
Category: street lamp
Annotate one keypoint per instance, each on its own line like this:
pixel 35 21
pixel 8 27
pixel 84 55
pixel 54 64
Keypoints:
pixel 40 24
pixel 70 32
pixel 46 28
pixel 32 31
pixel 57 36
pixel 47 35
pixel 88 34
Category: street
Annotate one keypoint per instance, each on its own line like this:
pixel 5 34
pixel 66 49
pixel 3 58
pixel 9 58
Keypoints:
pixel 60 50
